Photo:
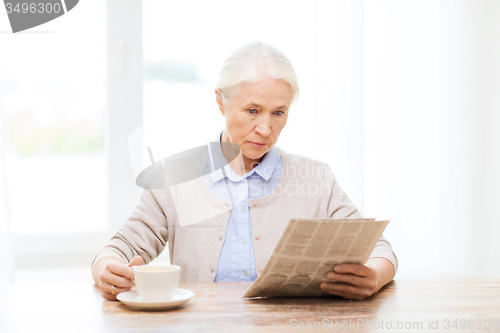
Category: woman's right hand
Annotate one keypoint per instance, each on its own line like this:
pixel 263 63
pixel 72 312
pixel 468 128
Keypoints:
pixel 116 277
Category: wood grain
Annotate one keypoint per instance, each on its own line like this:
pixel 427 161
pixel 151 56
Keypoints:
pixel 218 307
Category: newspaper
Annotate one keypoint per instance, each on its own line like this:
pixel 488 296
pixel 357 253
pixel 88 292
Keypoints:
pixel 308 249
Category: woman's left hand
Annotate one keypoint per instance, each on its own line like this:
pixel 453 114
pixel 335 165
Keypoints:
pixel 361 281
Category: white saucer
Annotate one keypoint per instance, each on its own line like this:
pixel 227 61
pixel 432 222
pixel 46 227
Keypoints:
pixel 133 299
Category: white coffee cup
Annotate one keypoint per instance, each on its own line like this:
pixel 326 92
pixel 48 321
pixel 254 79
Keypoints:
pixel 157 282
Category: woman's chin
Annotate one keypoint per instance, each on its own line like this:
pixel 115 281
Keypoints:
pixel 254 155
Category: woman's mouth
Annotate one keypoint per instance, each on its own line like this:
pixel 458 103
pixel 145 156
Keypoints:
pixel 258 144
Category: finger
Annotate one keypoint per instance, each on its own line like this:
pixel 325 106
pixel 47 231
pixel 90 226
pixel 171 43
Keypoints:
pixel 347 278
pixel 121 270
pixel 361 281
pixel 356 269
pixel 108 288
pixel 345 290
pixel 116 280
pixel 108 296
pixel 137 261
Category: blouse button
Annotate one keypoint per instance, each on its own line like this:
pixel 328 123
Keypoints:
pixel 257 237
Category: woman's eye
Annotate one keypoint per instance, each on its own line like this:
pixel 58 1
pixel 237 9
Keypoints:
pixel 279 113
pixel 252 111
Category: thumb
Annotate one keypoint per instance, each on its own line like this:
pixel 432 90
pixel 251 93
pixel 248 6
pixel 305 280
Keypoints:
pixel 137 261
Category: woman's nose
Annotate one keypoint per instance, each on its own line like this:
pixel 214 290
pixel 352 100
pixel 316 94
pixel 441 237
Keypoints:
pixel 264 126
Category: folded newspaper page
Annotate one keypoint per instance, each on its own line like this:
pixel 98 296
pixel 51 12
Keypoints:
pixel 308 249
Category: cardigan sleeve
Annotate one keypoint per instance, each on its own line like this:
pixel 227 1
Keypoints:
pixel 144 233
pixel 340 206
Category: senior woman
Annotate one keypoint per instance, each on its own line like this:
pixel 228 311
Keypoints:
pixel 254 198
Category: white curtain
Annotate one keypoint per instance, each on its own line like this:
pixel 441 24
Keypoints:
pixel 432 140
pixel 400 98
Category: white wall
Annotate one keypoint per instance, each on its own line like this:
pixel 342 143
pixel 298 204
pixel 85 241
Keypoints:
pixel 124 107
pixel 6 274
pixel 479 79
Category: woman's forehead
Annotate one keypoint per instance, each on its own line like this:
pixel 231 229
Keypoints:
pixel 265 92
pixel 277 105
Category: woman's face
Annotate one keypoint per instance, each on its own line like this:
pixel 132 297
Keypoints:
pixel 255 117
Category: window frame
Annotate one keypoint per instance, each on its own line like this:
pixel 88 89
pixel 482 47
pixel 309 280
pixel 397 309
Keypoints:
pixel 123 113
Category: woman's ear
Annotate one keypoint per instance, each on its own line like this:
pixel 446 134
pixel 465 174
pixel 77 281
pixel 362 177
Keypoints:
pixel 218 98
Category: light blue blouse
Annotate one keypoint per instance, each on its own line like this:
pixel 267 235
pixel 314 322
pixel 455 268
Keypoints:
pixel 237 259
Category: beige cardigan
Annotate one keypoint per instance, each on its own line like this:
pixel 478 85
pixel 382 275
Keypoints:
pixel 307 188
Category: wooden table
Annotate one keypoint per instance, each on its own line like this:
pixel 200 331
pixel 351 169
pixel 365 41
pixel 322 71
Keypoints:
pixel 420 305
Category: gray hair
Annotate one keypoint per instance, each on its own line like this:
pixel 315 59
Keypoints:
pixel 251 63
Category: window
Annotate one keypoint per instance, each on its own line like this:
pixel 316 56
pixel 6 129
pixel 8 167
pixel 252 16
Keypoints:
pixel 53 99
